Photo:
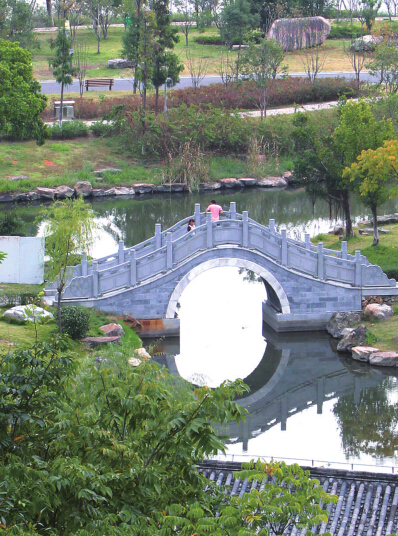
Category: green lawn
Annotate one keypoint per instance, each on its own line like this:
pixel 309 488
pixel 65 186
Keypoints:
pixel 111 49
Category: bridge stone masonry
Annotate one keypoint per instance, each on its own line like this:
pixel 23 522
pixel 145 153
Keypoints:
pixel 305 284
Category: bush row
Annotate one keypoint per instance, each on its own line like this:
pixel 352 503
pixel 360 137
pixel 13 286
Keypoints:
pixel 240 96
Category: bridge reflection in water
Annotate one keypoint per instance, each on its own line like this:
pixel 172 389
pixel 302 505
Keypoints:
pixel 301 374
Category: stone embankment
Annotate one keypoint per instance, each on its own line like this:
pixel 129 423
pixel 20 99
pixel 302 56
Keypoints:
pixel 353 338
pixel 85 188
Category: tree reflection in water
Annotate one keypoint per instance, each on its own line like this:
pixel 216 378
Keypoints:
pixel 370 425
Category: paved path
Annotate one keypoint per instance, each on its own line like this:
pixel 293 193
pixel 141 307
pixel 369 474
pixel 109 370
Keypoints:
pixel 126 84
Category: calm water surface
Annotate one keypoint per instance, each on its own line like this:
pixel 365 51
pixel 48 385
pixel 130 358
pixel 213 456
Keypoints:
pixel 305 401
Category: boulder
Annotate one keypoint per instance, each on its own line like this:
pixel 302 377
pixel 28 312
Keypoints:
pixel 112 330
pixel 369 231
pixel 171 187
pixel 142 188
pixel 248 182
pixel 110 192
pixel 134 361
pixel 355 338
pixel 366 43
pixel 45 193
pixel 28 313
pixel 123 191
pixel 6 198
pixel 230 183
pixel 384 359
pixel 143 354
pixel 32 196
pixel 295 34
pixel 119 63
pixel 63 192
pixel 22 197
pixel 209 186
pixel 362 353
pixel 388 218
pixel 375 311
pixel 337 230
pixel 98 192
pixel 272 182
pixel 340 321
pixel 93 342
pixel 19 178
pixel 83 188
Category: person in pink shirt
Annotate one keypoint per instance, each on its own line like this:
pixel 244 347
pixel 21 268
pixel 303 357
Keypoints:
pixel 215 210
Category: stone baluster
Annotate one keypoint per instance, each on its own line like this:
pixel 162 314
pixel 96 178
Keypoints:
pixel 321 261
pixel 272 226
pixel 197 215
pixel 358 269
pixel 95 279
pixel 232 210
pixel 307 242
pixel 133 268
pixel 209 229
pixel 84 265
pixel 158 236
pixel 284 247
pixel 121 252
pixel 169 245
pixel 245 229
pixel 344 250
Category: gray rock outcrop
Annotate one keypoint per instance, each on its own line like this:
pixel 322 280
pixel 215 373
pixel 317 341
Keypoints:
pixel 384 359
pixel 375 311
pixel 341 321
pixel 362 353
pixel 112 330
pixel 63 192
pixel 366 43
pixel 83 188
pixel 295 34
pixel 29 313
pixel 272 182
pixel 355 338
pixel 46 193
pixel 247 182
pixel 119 63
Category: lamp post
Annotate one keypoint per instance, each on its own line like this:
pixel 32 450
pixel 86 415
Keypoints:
pixel 168 81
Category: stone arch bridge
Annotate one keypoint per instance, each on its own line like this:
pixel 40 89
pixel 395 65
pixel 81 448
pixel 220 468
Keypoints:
pixel 305 283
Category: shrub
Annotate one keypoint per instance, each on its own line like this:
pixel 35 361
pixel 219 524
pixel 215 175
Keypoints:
pixel 70 130
pixel 11 224
pixel 11 298
pixel 101 129
pixel 75 321
pixel 345 30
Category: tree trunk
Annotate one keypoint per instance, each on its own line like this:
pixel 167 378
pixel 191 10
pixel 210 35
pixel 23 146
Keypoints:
pixel 347 213
pixel 49 9
pixel 98 42
pixel 186 39
pixel 61 105
pixel 156 100
pixel 59 310
pixel 376 240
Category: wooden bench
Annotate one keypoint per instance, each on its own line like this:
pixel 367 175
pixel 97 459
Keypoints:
pixel 99 82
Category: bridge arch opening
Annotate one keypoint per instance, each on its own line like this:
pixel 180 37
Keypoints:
pixel 276 296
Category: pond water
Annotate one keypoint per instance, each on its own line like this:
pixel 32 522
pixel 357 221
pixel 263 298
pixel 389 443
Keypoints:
pixel 305 401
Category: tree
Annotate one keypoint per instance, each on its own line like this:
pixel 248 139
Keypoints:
pixel 167 68
pixel 18 23
pixel 69 227
pixel 197 67
pixel 372 174
pixel 186 24
pixel 258 64
pixel 323 158
pixel 102 13
pixel 236 21
pixel 368 12
pixel 80 62
pixel 131 43
pixel 286 498
pixel 313 58
pixel 357 60
pixel 62 63
pixel 384 65
pixel 21 102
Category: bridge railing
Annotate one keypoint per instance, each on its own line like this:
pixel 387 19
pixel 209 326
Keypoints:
pixel 166 250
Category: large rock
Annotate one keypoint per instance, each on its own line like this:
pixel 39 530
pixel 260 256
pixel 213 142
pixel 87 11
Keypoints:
pixel 295 34
pixel 272 182
pixel 369 231
pixel 375 311
pixel 366 43
pixel 143 354
pixel 45 193
pixel 143 188
pixel 173 187
pixel 384 359
pixel 93 342
pixel 28 313
pixel 19 178
pixel 119 63
pixel 83 188
pixel 247 182
pixel 101 172
pixel 340 321
pixel 124 191
pixel 209 186
pixel 355 338
pixel 63 192
pixel 362 353
pixel 230 183
pixel 112 330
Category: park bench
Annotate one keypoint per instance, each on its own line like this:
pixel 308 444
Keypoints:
pixel 99 82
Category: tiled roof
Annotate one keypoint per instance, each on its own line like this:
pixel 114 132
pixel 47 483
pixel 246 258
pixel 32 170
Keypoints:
pixel 367 502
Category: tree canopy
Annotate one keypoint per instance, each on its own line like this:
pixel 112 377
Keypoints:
pixel 21 102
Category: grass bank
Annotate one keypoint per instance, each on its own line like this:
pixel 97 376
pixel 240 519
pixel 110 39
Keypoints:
pixel 383 334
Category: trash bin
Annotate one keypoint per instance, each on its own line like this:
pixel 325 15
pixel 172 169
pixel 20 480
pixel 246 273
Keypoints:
pixel 68 109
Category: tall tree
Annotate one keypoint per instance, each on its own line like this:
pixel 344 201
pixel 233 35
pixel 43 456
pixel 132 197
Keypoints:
pixel 69 228
pixel 167 68
pixel 62 63
pixel 372 176
pixel 236 21
pixel 21 102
